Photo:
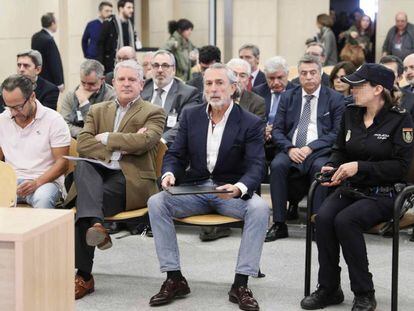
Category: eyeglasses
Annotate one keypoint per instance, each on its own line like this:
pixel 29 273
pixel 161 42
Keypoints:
pixel 18 107
pixel 164 66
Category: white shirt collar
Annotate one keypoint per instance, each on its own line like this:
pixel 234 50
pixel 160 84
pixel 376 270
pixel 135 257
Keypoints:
pixel 48 31
pixel 315 94
pixel 128 105
pixel 226 114
pixel 254 73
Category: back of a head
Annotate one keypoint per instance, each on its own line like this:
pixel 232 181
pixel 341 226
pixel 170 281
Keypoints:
pixel 47 20
pixel 208 54
pixel 179 26
pixel 324 20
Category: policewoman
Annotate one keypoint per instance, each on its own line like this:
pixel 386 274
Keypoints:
pixel 372 153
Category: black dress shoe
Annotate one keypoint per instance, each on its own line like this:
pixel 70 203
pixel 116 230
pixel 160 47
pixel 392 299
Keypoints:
pixel 278 230
pixel 213 233
pixel 170 290
pixel 321 298
pixel 292 212
pixel 244 297
pixel 364 303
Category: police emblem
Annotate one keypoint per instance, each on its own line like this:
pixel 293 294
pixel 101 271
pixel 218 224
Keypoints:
pixel 407 133
pixel 348 135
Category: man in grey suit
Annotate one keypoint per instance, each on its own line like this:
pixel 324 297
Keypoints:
pixel 246 99
pixel 168 92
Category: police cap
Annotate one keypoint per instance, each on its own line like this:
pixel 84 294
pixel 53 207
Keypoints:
pixel 369 72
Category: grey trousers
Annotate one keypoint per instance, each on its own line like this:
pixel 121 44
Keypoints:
pixel 163 207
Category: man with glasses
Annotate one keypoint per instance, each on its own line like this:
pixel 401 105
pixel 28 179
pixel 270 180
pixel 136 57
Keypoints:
pixel 91 90
pixel 317 50
pixel 124 53
pixel 33 140
pixel 168 92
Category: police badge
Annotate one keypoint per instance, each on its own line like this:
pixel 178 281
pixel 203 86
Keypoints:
pixel 348 136
pixel 407 134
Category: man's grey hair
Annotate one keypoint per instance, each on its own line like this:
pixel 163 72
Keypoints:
pixel 240 62
pixel 132 64
pixel 34 55
pixel 249 46
pixel 310 59
pixel 317 44
pixel 89 66
pixel 274 64
pixel 165 52
pixel 22 82
pixel 229 73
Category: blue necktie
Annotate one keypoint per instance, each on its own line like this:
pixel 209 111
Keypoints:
pixel 303 124
pixel 273 107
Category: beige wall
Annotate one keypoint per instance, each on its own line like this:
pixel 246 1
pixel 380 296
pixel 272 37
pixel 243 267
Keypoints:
pixel 386 18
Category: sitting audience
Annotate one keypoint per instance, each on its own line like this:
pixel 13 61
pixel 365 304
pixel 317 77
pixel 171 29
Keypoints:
pixel 91 90
pixel 251 54
pixel 304 130
pixel 33 140
pixel 30 64
pixel 124 53
pixel 123 135
pixel 168 92
pixel 209 135
pixel 340 70
pixel 409 73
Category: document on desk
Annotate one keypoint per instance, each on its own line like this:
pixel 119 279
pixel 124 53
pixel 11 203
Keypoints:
pixel 195 189
pixel 109 165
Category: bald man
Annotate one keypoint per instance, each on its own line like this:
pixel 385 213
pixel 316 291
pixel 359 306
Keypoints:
pixel 124 53
pixel 409 73
pixel 400 38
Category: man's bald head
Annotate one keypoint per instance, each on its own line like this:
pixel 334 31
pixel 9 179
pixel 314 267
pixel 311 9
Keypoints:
pixel 409 69
pixel 125 53
pixel 401 21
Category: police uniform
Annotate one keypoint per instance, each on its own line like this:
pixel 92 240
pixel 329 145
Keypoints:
pixel 383 152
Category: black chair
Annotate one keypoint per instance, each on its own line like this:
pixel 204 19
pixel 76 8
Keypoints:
pixel 405 196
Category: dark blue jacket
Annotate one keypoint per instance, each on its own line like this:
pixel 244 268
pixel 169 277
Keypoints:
pixel 241 154
pixel 90 39
pixel 331 106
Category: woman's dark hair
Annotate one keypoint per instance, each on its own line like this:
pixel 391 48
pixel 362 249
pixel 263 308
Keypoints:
pixel 391 98
pixel 348 67
pixel 369 30
pixel 324 20
pixel 180 25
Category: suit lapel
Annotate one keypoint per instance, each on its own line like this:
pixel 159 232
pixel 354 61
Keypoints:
pixel 110 116
pixel 147 91
pixel 170 97
pixel 230 132
pixel 321 109
pixel 201 133
pixel 136 107
pixel 297 109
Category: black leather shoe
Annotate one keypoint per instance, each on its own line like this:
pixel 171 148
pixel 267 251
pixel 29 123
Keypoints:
pixel 213 233
pixel 292 212
pixel 278 230
pixel 321 298
pixel 243 296
pixel 364 303
pixel 170 290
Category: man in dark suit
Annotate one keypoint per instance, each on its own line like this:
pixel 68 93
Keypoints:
pixel 207 55
pixel 210 135
pixel 30 64
pixel 276 72
pixel 396 65
pixel 317 50
pixel 43 42
pixel 251 54
pixel 304 130
pixel 409 73
pixel 168 92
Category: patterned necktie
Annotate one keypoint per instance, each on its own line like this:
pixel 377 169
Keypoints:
pixel 158 99
pixel 303 124
pixel 273 108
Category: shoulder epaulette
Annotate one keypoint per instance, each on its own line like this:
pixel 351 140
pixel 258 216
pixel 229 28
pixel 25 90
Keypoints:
pixel 398 109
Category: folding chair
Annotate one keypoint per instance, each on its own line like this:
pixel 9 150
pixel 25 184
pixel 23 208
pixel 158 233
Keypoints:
pixel 8 185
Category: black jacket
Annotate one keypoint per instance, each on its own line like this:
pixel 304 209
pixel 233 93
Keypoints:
pixel 52 69
pixel 47 93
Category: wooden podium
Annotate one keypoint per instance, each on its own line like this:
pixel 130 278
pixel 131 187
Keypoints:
pixel 36 259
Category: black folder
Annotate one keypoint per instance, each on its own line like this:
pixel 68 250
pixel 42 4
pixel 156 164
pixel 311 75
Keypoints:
pixel 194 189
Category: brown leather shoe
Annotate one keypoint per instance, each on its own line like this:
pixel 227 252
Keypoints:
pixel 83 288
pixel 98 236
pixel 244 297
pixel 170 290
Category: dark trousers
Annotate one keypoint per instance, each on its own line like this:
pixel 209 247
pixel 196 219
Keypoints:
pixel 101 192
pixel 280 169
pixel 341 221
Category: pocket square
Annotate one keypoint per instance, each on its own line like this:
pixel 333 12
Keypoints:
pixel 326 114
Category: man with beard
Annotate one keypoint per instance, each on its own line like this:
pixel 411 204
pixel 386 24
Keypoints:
pixel 33 140
pixel 409 73
pixel 209 135
pixel 168 92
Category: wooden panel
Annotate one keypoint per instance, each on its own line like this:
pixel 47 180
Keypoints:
pixel 7 294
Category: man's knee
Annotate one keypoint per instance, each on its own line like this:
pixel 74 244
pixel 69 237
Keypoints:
pixel 156 203
pixel 280 163
pixel 45 198
pixel 258 209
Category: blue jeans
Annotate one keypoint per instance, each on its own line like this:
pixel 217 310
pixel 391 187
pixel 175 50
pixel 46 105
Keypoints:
pixel 163 207
pixel 46 196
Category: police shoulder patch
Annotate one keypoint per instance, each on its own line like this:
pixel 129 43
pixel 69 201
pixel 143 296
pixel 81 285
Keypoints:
pixel 407 134
pixel 398 109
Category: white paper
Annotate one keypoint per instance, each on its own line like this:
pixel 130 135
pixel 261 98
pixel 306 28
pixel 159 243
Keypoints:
pixel 109 165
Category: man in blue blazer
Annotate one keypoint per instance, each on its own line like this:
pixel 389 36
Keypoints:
pixel 304 130
pixel 221 145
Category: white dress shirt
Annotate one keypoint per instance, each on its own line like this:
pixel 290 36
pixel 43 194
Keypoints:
pixel 313 124
pixel 164 94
